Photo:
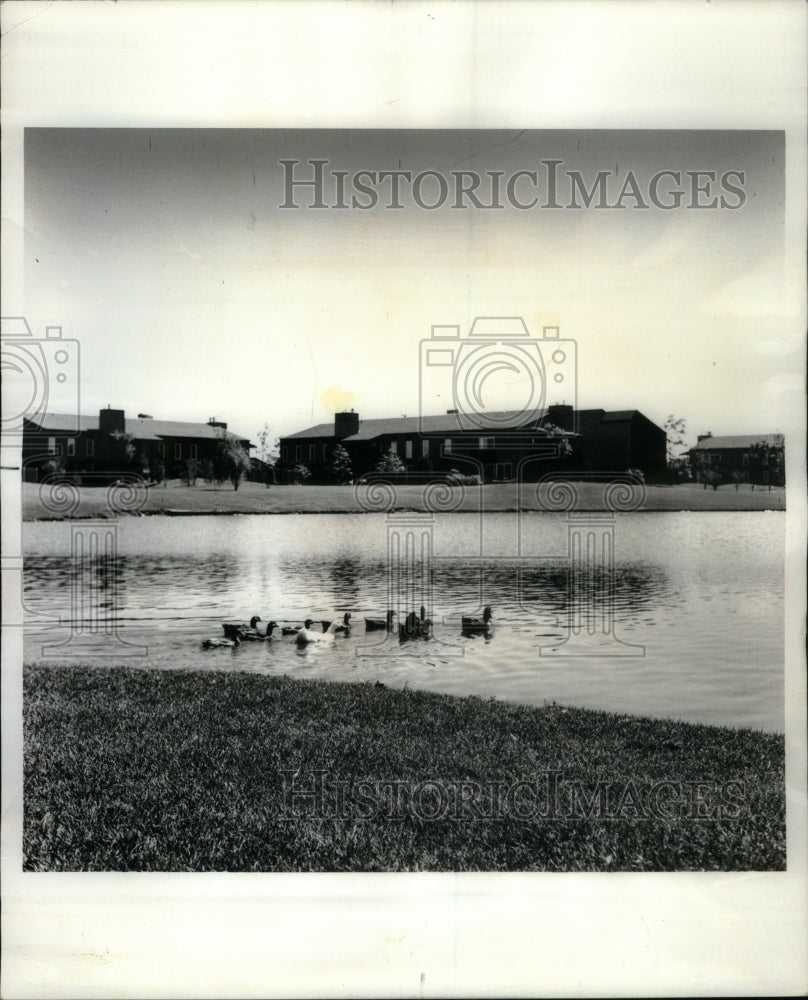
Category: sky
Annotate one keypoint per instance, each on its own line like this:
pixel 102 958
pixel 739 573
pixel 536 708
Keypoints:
pixel 193 293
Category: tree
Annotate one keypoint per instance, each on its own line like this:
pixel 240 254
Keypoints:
pixel 705 470
pixel 299 474
pixel 563 440
pixel 341 465
pixel 675 430
pixel 390 463
pixel 232 461
pixel 267 453
pixel 126 446
pixel 189 473
pixel 770 452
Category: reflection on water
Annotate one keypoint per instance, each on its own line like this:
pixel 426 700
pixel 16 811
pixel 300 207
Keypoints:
pixel 696 600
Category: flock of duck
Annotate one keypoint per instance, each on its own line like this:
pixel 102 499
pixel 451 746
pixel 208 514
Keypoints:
pixel 414 626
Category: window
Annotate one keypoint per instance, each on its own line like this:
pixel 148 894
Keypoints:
pixel 71 447
pixel 177 451
pixel 89 448
pixel 425 449
pixel 394 447
pixel 284 453
pixel 312 452
pixel 447 446
pixel 193 451
pixel 486 442
pixel 325 452
pixel 408 449
pixel 746 460
pixel 161 449
pixel 51 446
pixel 298 452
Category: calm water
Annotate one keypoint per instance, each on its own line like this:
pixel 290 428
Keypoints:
pixel 701 592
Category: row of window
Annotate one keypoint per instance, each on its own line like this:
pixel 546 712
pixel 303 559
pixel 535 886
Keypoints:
pixel 484 443
pixel 89 449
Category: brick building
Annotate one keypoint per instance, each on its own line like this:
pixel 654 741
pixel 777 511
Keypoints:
pixel 601 442
pixel 112 443
pixel 743 458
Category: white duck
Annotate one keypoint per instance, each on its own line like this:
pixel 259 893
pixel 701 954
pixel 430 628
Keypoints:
pixel 306 635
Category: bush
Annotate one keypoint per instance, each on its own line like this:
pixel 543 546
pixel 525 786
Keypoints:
pixel 390 463
pixel 299 474
pixel 341 466
pixel 461 479
pixel 189 473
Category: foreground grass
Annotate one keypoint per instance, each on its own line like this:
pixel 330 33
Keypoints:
pixel 253 498
pixel 160 771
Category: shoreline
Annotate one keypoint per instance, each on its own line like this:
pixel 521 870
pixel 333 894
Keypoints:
pixel 129 769
pixel 178 500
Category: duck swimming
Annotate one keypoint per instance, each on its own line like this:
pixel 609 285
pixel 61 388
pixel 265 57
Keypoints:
pixel 380 624
pixel 471 624
pixel 221 643
pixel 253 635
pixel 306 635
pixel 416 626
pixel 345 627
pixel 232 629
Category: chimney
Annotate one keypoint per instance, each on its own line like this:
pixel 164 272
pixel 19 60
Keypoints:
pixel 562 415
pixel 703 437
pixel 213 422
pixel 345 424
pixel 111 421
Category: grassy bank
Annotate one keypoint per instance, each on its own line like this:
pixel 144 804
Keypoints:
pixel 162 771
pixel 253 498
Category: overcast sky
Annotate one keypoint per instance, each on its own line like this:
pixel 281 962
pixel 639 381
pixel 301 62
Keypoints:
pixel 193 294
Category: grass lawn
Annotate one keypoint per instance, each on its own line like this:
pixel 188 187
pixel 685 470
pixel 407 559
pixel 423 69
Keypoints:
pixel 254 498
pixel 145 770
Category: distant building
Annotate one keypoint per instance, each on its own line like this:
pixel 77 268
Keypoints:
pixel 741 458
pixel 112 443
pixel 602 442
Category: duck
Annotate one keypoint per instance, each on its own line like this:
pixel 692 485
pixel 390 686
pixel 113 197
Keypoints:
pixel 253 635
pixel 472 624
pixel 380 624
pixel 306 635
pixel 345 627
pixel 291 629
pixel 416 626
pixel 231 629
pixel 221 643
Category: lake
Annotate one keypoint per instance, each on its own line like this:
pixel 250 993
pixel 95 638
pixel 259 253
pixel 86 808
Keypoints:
pixel 674 615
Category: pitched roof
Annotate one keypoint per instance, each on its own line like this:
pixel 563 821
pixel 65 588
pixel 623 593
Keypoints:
pixel 738 441
pixel 318 431
pixel 143 429
pixel 440 423
pixel 616 416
